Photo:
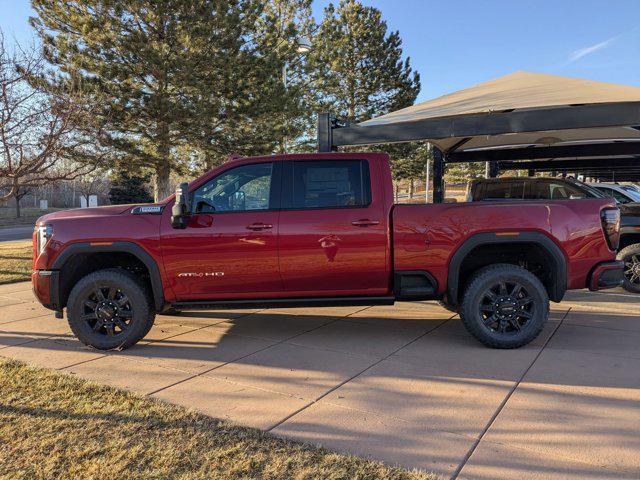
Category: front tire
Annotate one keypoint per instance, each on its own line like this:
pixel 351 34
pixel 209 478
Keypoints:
pixel 504 306
pixel 110 309
pixel 630 255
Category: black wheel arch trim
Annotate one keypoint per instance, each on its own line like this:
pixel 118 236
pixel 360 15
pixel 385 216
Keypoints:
pixel 557 291
pixel 127 247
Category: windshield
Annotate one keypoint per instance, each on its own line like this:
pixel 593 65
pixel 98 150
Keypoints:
pixel 589 190
pixel 633 194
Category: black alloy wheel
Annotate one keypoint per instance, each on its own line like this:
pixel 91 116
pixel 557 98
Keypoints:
pixel 107 311
pixel 630 255
pixel 110 309
pixel 504 306
pixel 632 269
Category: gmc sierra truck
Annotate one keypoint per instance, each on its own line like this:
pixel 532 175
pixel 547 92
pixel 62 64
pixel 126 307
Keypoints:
pixel 319 230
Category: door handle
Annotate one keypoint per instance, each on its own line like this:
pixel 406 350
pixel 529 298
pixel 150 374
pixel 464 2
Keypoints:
pixel 259 226
pixel 364 222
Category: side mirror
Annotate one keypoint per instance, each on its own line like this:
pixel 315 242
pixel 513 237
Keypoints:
pixel 181 210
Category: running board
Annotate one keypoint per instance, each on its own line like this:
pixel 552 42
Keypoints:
pixel 284 303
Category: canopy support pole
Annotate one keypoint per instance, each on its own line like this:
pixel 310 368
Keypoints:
pixel 494 169
pixel 438 175
pixel 427 175
pixel 325 132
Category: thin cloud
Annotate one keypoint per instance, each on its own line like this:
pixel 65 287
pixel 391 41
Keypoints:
pixel 583 52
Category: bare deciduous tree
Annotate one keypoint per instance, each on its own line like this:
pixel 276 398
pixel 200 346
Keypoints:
pixel 95 183
pixel 44 137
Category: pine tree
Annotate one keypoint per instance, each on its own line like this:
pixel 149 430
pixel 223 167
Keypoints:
pixel 359 68
pixel 165 72
pixel 464 172
pixel 128 188
pixel 282 25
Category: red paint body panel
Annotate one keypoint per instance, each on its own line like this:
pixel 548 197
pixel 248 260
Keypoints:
pixel 41 288
pixel 427 236
pixel 320 252
pixel 231 258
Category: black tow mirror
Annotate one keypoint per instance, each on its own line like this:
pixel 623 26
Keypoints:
pixel 181 211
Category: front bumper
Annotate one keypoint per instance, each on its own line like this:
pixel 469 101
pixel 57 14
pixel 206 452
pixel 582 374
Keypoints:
pixel 607 275
pixel 45 287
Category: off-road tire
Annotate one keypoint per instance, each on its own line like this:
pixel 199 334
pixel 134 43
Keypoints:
pixel 476 304
pixel 630 255
pixel 138 307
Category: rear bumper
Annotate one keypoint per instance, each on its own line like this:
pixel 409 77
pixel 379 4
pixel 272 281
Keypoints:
pixel 607 275
pixel 45 287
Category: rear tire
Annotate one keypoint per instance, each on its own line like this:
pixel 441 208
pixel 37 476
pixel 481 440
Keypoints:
pixel 630 255
pixel 110 309
pixel 504 306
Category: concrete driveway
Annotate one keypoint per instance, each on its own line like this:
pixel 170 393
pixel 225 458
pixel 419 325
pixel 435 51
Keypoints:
pixel 402 384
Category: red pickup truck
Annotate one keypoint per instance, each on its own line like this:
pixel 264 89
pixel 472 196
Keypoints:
pixel 319 230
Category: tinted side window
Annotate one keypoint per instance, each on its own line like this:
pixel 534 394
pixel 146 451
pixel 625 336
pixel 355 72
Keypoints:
pixel 605 190
pixel 503 190
pixel 330 184
pixel 621 198
pixel 239 189
pixel 556 191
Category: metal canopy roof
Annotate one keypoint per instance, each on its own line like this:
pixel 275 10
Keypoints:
pixel 521 111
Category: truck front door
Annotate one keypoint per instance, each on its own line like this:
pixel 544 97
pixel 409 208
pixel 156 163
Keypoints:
pixel 333 229
pixel 231 243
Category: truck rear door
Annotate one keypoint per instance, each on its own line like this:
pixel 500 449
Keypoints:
pixel 333 229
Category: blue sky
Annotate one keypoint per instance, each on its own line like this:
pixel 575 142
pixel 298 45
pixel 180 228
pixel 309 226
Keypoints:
pixel 458 43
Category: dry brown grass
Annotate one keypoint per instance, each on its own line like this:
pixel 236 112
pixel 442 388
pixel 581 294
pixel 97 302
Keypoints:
pixel 16 261
pixel 57 426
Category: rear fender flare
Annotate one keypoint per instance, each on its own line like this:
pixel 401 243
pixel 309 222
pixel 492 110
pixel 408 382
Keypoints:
pixel 557 290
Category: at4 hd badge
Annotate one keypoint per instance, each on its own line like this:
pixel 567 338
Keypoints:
pixel 201 274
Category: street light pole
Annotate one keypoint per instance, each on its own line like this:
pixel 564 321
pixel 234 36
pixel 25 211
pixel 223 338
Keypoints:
pixel 303 47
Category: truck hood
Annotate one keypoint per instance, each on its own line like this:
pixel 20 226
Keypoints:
pixel 93 212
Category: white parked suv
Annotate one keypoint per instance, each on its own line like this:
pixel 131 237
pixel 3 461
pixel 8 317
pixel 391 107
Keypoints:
pixel 622 193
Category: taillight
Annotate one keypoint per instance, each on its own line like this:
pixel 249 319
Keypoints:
pixel 611 225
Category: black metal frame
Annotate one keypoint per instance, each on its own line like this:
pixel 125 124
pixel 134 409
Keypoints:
pixel 332 134
pixel 602 168
pixel 609 149
pixel 595 115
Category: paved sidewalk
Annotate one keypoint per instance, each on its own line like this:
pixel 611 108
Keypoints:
pixel 21 232
pixel 403 384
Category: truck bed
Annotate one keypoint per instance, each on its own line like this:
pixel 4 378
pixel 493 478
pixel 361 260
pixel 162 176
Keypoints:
pixel 429 234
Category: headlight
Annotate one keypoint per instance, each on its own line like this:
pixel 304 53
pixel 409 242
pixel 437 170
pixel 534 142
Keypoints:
pixel 44 233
